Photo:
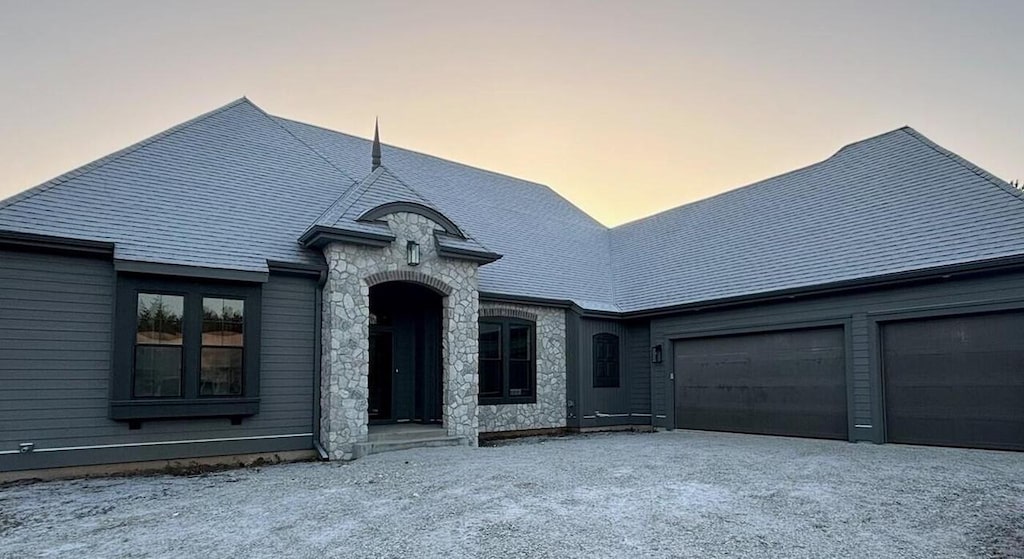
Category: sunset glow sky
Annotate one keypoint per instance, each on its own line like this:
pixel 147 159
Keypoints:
pixel 624 108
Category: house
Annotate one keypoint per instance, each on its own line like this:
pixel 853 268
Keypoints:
pixel 244 283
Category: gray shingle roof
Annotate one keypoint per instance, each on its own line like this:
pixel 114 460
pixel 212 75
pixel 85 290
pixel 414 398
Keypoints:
pixel 229 189
pixel 237 187
pixel 550 248
pixel 381 187
pixel 888 204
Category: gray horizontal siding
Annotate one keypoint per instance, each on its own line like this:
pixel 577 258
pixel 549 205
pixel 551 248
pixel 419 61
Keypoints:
pixel 855 310
pixel 55 358
pixel 598 402
pixel 629 403
pixel 638 363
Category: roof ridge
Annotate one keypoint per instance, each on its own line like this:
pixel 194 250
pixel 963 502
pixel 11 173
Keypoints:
pixel 721 194
pixel 996 181
pixel 275 120
pixel 868 139
pixel 424 154
pixel 764 180
pixel 346 201
pixel 359 191
pixel 342 202
pixel 613 291
pixel 97 163
pixel 395 176
pixel 428 201
pixel 453 162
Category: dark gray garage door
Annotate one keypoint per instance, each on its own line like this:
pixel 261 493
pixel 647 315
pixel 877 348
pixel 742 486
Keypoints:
pixel 955 381
pixel 778 383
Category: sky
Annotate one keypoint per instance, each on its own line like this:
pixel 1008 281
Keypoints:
pixel 625 108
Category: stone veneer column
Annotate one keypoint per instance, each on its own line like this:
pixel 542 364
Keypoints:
pixel 344 388
pixel 460 355
pixel 344 385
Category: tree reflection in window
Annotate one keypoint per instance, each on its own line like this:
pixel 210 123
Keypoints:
pixel 158 345
pixel 222 347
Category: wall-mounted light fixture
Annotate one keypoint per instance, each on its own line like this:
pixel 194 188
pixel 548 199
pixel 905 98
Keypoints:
pixel 656 354
pixel 412 253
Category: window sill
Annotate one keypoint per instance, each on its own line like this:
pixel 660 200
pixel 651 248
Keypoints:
pixel 506 401
pixel 125 410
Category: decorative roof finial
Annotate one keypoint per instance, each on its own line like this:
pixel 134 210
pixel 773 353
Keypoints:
pixel 375 154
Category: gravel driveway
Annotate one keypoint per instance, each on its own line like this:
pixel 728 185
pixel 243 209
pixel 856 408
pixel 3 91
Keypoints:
pixel 674 494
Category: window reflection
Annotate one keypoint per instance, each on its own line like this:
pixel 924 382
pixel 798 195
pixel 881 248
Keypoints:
pixel 222 347
pixel 158 340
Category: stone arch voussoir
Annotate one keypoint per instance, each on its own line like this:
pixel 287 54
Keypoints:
pixel 409 276
pixel 509 312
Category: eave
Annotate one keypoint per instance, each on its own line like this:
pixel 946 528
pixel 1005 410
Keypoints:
pixel 55 243
pixel 319 236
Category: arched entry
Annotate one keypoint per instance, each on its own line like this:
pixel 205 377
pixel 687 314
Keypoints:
pixel 405 372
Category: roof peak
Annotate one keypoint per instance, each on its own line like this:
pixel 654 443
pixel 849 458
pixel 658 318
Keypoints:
pixel 844 149
pixel 901 129
pixel 375 150
pixel 100 162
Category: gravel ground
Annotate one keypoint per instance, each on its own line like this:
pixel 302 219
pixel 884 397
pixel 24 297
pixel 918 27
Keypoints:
pixel 674 494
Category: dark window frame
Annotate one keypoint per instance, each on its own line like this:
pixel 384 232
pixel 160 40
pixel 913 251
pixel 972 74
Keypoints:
pixel 124 406
pixel 136 344
pixel 203 346
pixel 505 324
pixel 610 364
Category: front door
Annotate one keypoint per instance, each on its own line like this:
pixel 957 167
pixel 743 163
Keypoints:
pixel 393 373
pixel 404 370
pixel 405 354
pixel 381 348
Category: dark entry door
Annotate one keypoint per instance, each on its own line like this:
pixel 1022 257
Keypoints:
pixel 955 381
pixel 775 383
pixel 397 374
pixel 381 344
pixel 405 369
pixel 405 354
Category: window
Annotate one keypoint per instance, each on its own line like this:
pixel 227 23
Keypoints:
pixel 158 343
pixel 606 361
pixel 508 361
pixel 221 357
pixel 492 383
pixel 185 348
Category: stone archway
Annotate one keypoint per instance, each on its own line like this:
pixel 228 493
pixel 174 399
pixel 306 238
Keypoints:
pixel 352 270
pixel 405 358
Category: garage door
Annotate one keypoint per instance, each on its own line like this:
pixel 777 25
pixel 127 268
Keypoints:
pixel 778 383
pixel 955 381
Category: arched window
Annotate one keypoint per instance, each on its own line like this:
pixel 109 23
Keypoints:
pixel 606 361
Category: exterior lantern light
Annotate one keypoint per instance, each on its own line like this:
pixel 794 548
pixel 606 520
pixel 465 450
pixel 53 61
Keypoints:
pixel 656 354
pixel 412 252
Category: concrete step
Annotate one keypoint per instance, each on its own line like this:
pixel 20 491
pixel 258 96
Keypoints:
pixel 405 433
pixel 376 447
